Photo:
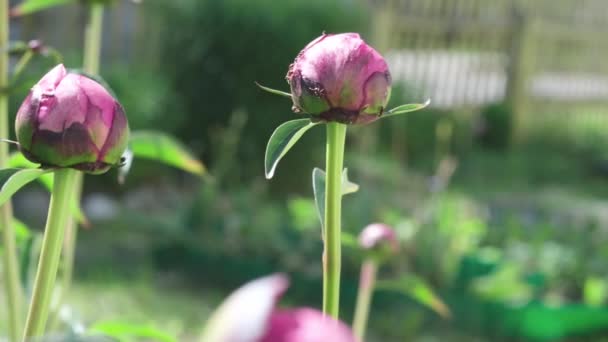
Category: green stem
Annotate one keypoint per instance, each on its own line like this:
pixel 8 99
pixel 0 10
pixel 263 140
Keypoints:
pixel 92 52
pixel 67 268
pixel 92 39
pixel 364 297
pixel 336 136
pixel 22 63
pixel 58 215
pixel 14 294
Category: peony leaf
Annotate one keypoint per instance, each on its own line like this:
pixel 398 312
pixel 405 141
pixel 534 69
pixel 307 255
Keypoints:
pixel 32 6
pixel 415 287
pixel 406 108
pixel 22 231
pixel 163 148
pixel 126 332
pixel 350 240
pixel 282 140
pixel 273 91
pixel 17 160
pixel 318 188
pixel 11 180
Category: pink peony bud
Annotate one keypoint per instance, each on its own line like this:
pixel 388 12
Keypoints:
pixel 340 78
pixel 249 315
pixel 70 120
pixel 378 237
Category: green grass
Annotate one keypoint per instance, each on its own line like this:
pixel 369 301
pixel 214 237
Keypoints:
pixel 176 311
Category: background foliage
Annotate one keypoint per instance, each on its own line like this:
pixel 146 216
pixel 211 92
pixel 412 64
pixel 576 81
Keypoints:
pixel 509 235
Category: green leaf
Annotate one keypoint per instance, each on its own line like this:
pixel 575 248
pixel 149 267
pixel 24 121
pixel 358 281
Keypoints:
pixel 273 91
pixel 32 6
pixel 349 240
pixel 125 332
pixel 318 188
pixel 163 148
pixel 22 231
pixel 282 140
pixel 415 287
pixel 406 108
pixel 17 160
pixel 14 179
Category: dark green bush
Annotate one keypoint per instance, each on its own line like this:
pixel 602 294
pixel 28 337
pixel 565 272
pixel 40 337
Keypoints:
pixel 496 126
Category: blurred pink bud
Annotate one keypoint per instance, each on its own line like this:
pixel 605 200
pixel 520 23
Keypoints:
pixel 340 78
pixel 70 120
pixel 377 236
pixel 36 46
pixel 249 315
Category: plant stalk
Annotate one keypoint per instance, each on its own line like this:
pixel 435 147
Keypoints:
pixel 14 294
pixel 92 39
pixel 91 57
pixel 57 219
pixel 367 282
pixel 336 136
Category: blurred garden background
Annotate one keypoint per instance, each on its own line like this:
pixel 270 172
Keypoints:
pixel 498 190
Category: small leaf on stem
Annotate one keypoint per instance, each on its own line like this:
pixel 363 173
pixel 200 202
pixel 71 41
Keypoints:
pixel 273 91
pixel 17 160
pixel 282 140
pixel 318 188
pixel 11 180
pixel 406 108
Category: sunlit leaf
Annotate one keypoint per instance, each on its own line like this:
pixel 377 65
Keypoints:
pixel 282 140
pixel 12 180
pixel 273 91
pixel 594 291
pixel 349 240
pixel 163 148
pixel 32 6
pixel 318 188
pixel 22 231
pixel 406 108
pixel 416 288
pixel 122 331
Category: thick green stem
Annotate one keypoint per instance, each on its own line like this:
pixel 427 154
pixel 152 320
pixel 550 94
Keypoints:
pixel 14 294
pixel 57 219
pixel 364 297
pixel 336 136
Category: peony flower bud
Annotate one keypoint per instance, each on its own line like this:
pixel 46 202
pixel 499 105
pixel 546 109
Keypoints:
pixel 379 239
pixel 249 315
pixel 69 120
pixel 340 78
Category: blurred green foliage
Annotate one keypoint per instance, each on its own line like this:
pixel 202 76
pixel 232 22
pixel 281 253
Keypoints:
pixel 222 47
pixel 514 242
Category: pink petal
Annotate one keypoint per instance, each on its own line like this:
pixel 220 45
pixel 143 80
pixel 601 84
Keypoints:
pixel 377 233
pixel 244 315
pixel 306 325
